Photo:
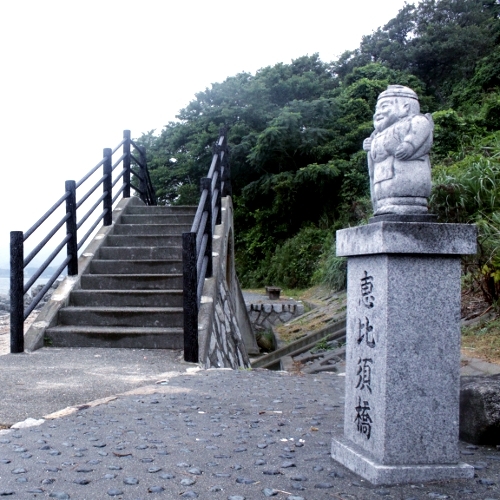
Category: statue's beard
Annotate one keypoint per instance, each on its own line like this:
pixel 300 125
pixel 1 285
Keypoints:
pixel 386 122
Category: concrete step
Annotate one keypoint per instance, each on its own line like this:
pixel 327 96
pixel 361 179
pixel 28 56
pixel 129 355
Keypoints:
pixel 127 298
pixel 121 337
pixel 151 229
pixel 141 253
pixel 131 281
pixel 157 219
pixel 157 317
pixel 162 240
pixel 178 209
pixel 136 266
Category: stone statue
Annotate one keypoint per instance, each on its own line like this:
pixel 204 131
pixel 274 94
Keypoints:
pixel 398 154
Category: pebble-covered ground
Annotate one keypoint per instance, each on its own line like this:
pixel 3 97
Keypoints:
pixel 213 434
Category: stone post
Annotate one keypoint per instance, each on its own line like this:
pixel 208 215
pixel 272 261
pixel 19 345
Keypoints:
pixel 403 350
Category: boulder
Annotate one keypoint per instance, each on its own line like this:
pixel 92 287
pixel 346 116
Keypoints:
pixel 480 410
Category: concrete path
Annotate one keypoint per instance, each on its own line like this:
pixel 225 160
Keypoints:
pixel 215 434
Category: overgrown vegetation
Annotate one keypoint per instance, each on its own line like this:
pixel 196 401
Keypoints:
pixel 296 130
pixel 482 341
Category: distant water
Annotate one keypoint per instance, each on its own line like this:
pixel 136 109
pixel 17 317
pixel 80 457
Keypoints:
pixel 5 285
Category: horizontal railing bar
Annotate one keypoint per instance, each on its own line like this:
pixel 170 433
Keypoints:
pixel 136 146
pixel 199 211
pixel 44 266
pixel 201 279
pixel 139 162
pixel 91 191
pixel 89 213
pixel 118 193
pixel 89 232
pixel 42 243
pixel 215 194
pixel 119 146
pixel 214 180
pixel 44 217
pixel 45 289
pixel 117 162
pixel 201 230
pixel 140 191
pixel 212 166
pixel 118 177
pixel 137 174
pixel 201 253
pixel 83 179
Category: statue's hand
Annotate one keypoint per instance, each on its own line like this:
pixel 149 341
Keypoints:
pixel 404 151
pixel 367 144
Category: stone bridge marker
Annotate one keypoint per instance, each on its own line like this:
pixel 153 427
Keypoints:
pixel 403 312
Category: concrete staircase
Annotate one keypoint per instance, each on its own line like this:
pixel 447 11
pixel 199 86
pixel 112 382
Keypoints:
pixel 132 295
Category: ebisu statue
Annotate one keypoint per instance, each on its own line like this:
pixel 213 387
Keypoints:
pixel 398 154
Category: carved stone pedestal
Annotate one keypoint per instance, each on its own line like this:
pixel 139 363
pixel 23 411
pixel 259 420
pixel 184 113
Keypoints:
pixel 403 351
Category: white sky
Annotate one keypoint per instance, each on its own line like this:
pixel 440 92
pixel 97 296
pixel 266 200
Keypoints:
pixel 75 74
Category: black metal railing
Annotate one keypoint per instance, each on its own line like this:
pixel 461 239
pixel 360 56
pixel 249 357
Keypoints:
pixel 197 244
pixel 110 177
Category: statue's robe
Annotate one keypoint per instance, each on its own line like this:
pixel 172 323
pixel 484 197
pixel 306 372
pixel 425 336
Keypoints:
pixel 401 186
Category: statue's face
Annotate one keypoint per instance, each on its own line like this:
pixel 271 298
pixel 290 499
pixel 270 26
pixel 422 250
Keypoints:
pixel 387 112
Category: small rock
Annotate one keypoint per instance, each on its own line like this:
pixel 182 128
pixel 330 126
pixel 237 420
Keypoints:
pixel 155 489
pixel 131 480
pixel 114 492
pixel 323 486
pixel 486 482
pixel 245 480
pixel 269 492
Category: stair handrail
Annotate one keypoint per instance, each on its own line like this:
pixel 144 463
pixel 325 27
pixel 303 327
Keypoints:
pixel 131 164
pixel 197 243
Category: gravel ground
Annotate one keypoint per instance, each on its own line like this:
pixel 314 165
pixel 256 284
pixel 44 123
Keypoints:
pixel 215 434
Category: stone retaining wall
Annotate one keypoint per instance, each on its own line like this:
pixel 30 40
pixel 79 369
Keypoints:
pixel 264 316
pixel 225 334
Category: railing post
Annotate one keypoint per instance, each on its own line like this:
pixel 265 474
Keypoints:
pixel 126 164
pixel 206 183
pixel 16 292
pixel 107 187
pixel 190 297
pixel 72 245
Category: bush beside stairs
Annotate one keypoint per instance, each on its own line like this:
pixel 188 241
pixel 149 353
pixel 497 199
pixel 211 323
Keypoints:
pixel 131 294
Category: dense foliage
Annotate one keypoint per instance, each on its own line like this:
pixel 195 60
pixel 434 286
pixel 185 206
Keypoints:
pixel 296 132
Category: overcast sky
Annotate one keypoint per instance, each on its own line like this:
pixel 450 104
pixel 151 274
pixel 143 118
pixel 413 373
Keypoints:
pixel 76 74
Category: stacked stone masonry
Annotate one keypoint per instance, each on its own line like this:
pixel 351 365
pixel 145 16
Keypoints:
pixel 265 316
pixel 226 343
pixel 225 334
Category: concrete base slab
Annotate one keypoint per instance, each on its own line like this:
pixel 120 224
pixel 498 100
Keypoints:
pixel 350 456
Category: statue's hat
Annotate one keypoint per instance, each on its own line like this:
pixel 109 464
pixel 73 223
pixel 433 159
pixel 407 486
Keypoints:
pixel 398 91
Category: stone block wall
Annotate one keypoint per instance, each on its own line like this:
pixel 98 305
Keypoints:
pixel 225 334
pixel 264 316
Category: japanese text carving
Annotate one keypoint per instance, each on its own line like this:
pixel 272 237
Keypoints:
pixel 367 290
pixel 363 419
pixel 364 374
pixel 365 332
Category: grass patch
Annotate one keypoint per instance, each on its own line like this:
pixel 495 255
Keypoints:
pixel 482 340
pixel 286 293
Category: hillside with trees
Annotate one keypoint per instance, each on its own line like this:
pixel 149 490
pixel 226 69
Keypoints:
pixel 296 133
